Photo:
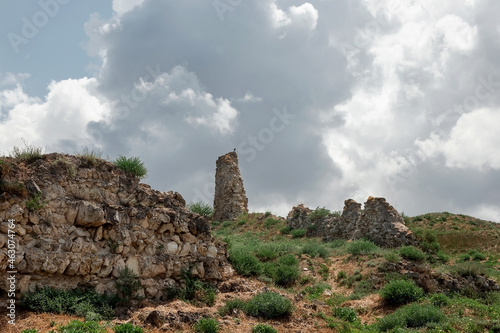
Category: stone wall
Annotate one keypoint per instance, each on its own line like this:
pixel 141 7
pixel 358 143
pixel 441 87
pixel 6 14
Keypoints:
pixel 379 222
pixel 97 219
pixel 230 199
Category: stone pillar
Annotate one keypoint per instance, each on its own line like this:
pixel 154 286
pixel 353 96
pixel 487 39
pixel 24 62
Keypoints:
pixel 230 199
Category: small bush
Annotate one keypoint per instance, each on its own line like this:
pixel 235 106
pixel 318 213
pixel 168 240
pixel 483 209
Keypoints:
pixel 132 165
pixel 298 233
pixel 201 208
pixel 315 250
pixel 361 247
pixel 285 230
pixel 401 292
pixel 77 326
pixel 30 330
pixel 207 325
pixel 341 275
pixel 269 222
pixel 231 305
pixel 469 268
pixel 36 203
pixel 413 315
pixel 127 283
pixel 15 188
pixel 318 214
pixel 285 275
pixel 127 328
pixel 439 300
pixel 263 328
pixel 412 253
pixel 269 305
pixel 475 255
pixel 196 291
pixel 443 257
pixel 392 257
pixel 345 313
pixel 29 153
pixel 244 263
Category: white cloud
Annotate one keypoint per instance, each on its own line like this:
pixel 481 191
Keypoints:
pixel 123 6
pixel 486 212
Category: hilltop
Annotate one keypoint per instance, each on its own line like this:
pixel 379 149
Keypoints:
pixel 446 277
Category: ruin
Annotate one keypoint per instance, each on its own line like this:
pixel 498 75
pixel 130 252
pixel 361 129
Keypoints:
pixel 378 222
pixel 79 223
pixel 230 199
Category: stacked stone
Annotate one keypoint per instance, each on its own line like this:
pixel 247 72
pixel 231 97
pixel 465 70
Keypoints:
pixel 230 199
pixel 95 221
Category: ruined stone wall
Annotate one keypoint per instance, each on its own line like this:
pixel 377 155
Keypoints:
pixel 230 199
pixel 379 222
pixel 97 219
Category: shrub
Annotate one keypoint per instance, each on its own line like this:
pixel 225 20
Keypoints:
pixel 285 230
pixel 345 313
pixel 298 233
pixel 132 165
pixel 127 328
pixel 207 325
pixel 66 166
pixel 263 328
pixel 244 263
pixel 285 275
pixel 443 257
pixel 15 188
pixel 318 214
pixel 77 326
pixel 392 256
pixel 429 242
pixel 439 300
pixel 76 302
pixel 361 247
pixel 470 269
pixel 476 255
pixel 401 292
pixel 315 250
pixel 412 253
pixel 29 153
pixel 341 275
pixel 30 330
pixel 231 305
pixel 196 291
pixel 269 305
pixel 36 203
pixel 201 208
pixel 269 222
pixel 413 315
pixel 127 283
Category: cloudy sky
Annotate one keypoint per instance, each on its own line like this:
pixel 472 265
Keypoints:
pixel 324 100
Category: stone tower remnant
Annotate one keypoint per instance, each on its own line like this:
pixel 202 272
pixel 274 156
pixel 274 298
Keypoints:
pixel 230 199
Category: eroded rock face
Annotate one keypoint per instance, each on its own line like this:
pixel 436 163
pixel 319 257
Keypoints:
pixel 95 221
pixel 379 222
pixel 230 199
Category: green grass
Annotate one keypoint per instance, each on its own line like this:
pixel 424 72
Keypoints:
pixel 77 326
pixel 298 233
pixel 318 214
pixel 132 165
pixel 92 157
pixel 412 253
pixel 263 328
pixel 470 268
pixel 315 250
pixel 411 316
pixel 361 247
pixel 127 328
pixel 266 305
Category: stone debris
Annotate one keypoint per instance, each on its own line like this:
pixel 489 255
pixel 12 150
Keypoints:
pixel 379 222
pixel 230 199
pixel 94 221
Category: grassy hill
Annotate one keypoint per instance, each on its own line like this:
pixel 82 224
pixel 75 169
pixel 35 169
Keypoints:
pixel 291 283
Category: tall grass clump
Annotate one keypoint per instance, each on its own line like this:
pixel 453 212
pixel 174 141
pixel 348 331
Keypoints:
pixel 269 305
pixel 470 268
pixel 244 263
pixel 361 247
pixel 28 153
pixel 315 250
pixel 127 328
pixel 207 325
pixel 412 253
pixel 92 156
pixel 133 165
pixel 263 328
pixel 318 214
pixel 77 326
pixel 411 316
pixel 201 208
pixel 401 291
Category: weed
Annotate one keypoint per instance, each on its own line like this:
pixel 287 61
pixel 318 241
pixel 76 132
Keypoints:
pixel 440 300
pixel 345 313
pixel 266 214
pixel 318 214
pixel 36 203
pixel 15 188
pixel 315 250
pixel 285 230
pixel 361 247
pixel 231 306
pixel 207 325
pixel 412 253
pixel 269 305
pixel 317 290
pixel 90 156
pixel 244 263
pixel 270 222
pixel 77 326
pixel 324 271
pixel 263 328
pixel 201 208
pixel 392 256
pixel 413 315
pixel 401 292
pixel 127 328
pixel 28 153
pixel 298 233
pixel 470 269
pixel 127 283
pixel 341 275
pixel 30 330
pixel 68 167
pixel 132 165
